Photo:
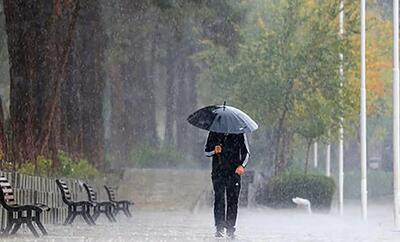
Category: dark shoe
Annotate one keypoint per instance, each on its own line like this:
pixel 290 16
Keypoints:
pixel 230 233
pixel 219 233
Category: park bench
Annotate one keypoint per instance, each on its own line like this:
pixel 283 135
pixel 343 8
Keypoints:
pixel 105 207
pixel 121 205
pixel 74 207
pixel 20 214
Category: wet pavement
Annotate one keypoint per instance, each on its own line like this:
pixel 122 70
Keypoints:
pixel 253 225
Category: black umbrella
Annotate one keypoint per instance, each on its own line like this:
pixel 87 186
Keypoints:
pixel 222 119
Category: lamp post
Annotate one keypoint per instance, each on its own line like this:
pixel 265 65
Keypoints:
pixel 363 117
pixel 396 113
pixel 341 131
pixel 328 160
pixel 315 154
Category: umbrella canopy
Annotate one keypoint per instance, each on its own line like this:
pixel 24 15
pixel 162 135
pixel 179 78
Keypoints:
pixel 222 119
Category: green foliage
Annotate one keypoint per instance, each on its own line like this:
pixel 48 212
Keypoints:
pixel 76 168
pixel 318 189
pixel 27 168
pixel 44 167
pixel 83 169
pixel 380 183
pixel 66 164
pixel 165 157
pixel 285 73
pixel 288 65
pixel 80 169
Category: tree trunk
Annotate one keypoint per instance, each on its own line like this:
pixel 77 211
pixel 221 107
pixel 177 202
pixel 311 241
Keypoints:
pixel 169 139
pixel 181 111
pixel 93 83
pixel 58 56
pixel 117 145
pixel 21 39
pixel 71 122
pixel 3 138
pixel 309 143
pixel 280 133
pixel 194 140
pixel 150 87
pixel 39 37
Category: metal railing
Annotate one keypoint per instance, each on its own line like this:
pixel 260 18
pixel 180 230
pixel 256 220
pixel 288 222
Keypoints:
pixel 34 189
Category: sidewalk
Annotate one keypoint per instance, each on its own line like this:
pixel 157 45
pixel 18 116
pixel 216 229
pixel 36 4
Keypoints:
pixel 253 225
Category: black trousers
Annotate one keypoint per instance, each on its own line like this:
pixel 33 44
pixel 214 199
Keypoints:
pixel 225 214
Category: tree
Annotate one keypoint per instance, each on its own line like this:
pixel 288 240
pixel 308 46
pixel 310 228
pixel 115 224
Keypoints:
pixel 39 38
pixel 56 56
pixel 284 68
pixel 81 109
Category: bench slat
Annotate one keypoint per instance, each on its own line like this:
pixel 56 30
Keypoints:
pixel 7 190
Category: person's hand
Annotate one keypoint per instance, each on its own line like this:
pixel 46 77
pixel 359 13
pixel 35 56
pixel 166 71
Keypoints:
pixel 218 149
pixel 240 170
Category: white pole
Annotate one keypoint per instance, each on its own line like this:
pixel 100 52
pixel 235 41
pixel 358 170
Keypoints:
pixel 315 154
pixel 341 173
pixel 363 117
pixel 396 114
pixel 341 130
pixel 328 160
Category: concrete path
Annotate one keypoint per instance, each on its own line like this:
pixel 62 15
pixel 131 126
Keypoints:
pixel 253 225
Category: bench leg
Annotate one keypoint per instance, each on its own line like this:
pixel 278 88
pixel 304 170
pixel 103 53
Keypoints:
pixel 110 213
pixel 90 219
pixel 16 228
pixel 8 228
pixel 10 223
pixel 69 216
pixel 40 225
pixel 126 210
pixel 32 228
pixel 73 216
pixel 18 222
pixel 86 216
pixel 116 210
pixel 29 222
pixel 96 213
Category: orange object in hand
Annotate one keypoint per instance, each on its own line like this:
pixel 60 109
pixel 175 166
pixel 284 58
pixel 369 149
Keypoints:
pixel 218 149
pixel 240 170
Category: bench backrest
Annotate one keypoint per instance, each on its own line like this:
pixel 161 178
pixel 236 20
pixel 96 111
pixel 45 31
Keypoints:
pixel 110 193
pixel 65 193
pixel 7 198
pixel 92 195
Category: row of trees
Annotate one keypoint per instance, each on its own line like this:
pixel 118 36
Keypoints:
pixel 152 43
pixel 286 73
pixel 104 79
pixel 101 79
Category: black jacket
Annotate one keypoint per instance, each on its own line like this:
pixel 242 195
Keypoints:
pixel 235 151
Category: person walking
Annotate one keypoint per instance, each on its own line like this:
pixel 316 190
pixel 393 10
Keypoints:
pixel 230 155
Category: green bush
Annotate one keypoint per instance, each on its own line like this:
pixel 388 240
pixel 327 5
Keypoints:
pixel 69 167
pixel 43 167
pixel 27 168
pixel 76 169
pixel 318 189
pixel 380 183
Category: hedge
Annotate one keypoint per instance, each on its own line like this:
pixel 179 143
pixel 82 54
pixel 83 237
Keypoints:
pixel 319 189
